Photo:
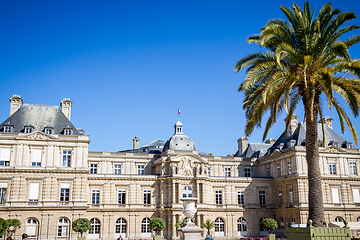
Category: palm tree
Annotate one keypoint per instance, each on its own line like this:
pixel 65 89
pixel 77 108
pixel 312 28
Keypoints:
pixel 304 58
pixel 208 225
pixel 180 222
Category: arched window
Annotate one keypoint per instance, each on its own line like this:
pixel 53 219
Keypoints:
pixel 120 227
pixel 242 226
pixel 31 225
pixel 145 225
pixel 281 223
pixel 219 227
pixel 187 192
pixel 358 219
pixel 94 227
pixel 339 219
pixel 63 224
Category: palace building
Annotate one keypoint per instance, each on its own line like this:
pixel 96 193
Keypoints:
pixel 49 178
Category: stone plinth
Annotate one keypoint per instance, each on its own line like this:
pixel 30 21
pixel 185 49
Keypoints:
pixel 190 232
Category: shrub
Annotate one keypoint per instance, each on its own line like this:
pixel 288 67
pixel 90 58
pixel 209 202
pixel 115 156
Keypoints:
pixel 157 225
pixel 269 224
pixel 81 225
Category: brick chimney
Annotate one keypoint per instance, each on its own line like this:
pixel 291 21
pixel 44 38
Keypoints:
pixel 136 141
pixel 65 105
pixel 242 145
pixel 15 103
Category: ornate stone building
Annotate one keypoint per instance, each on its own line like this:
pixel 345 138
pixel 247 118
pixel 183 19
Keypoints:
pixel 48 178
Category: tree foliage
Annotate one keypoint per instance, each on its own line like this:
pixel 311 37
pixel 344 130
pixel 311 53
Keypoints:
pixel 208 225
pixel 304 58
pixel 180 222
pixel 12 226
pixel 157 225
pixel 3 227
pixel 81 225
pixel 269 224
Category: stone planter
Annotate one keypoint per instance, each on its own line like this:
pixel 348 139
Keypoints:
pixel 318 233
pixel 270 237
pixel 156 237
pixel 81 238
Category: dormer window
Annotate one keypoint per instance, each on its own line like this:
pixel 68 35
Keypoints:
pixel 48 130
pixel 8 128
pixel 67 131
pixel 28 129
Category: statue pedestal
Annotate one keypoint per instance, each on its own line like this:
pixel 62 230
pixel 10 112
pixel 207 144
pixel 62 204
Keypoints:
pixel 190 232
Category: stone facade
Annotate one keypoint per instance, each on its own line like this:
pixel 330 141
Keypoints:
pixel 48 180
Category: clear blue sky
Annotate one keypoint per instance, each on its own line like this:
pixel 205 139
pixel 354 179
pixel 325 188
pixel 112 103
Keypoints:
pixel 129 65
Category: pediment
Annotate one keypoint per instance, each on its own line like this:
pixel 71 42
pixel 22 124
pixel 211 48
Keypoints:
pixel 333 149
pixel 37 136
pixel 275 153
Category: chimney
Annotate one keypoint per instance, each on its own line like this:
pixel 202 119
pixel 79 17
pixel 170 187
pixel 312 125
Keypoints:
pixel 65 105
pixel 242 145
pixel 136 141
pixel 328 121
pixel 292 127
pixel 15 103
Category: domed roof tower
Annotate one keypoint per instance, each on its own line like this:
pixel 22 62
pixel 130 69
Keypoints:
pixel 179 141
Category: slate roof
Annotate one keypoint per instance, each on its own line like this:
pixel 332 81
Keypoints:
pixel 254 150
pixel 299 135
pixel 154 147
pixel 39 116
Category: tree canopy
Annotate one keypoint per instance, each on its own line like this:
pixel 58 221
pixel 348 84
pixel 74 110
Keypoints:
pixel 81 225
pixel 157 225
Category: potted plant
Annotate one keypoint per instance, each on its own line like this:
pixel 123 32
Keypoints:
pixel 81 225
pixel 208 225
pixel 12 226
pixel 157 225
pixel 269 225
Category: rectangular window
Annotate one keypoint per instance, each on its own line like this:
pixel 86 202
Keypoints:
pixel 289 168
pixel 268 173
pixel 332 167
pixel 8 129
pixel 356 195
pixel 278 169
pixel 117 169
pixel 241 198
pixel 3 192
pixel 95 196
pixel 209 171
pixel 66 159
pixel 335 195
pixel 5 156
pixel 28 130
pixel 353 168
pixel 147 196
pixel 227 172
pixel 93 168
pixel 48 130
pixel 34 192
pixel 218 197
pixel 122 195
pixel 67 131
pixel 280 196
pixel 247 172
pixel 64 192
pixel 141 169
pixel 291 196
pixel 262 199
pixel 36 157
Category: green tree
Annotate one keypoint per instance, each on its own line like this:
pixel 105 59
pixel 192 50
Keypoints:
pixel 208 225
pixel 180 222
pixel 157 225
pixel 3 227
pixel 81 225
pixel 269 224
pixel 12 226
pixel 304 58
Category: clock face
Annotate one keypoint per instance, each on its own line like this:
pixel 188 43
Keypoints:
pixel 187 165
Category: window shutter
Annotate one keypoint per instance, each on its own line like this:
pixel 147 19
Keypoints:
pixel 356 195
pixel 34 191
pixel 36 155
pixel 335 195
pixel 5 154
pixel 64 185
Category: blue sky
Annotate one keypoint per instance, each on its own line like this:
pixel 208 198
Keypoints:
pixel 129 65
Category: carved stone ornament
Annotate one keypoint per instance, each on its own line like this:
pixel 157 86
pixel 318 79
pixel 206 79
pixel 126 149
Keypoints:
pixel 37 136
pixel 186 166
pixel 333 149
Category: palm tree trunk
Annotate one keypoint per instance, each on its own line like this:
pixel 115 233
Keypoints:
pixel 316 208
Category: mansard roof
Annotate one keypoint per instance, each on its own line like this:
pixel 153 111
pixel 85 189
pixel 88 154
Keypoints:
pixel 154 147
pixel 39 116
pixel 254 150
pixel 299 136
